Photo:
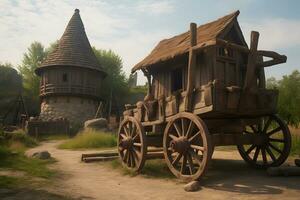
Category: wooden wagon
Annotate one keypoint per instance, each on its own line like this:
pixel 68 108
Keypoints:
pixel 206 88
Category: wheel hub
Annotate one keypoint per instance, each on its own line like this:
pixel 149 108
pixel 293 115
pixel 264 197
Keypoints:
pixel 180 145
pixel 127 143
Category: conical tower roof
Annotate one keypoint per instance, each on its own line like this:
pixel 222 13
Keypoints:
pixel 73 49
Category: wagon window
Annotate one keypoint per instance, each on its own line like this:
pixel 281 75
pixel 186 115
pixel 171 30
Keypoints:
pixel 177 81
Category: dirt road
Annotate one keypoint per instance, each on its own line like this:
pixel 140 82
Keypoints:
pixel 228 178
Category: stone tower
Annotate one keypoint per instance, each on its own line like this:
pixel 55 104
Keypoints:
pixel 71 77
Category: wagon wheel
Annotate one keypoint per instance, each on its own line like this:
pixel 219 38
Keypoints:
pixel 275 146
pixel 187 146
pixel 131 144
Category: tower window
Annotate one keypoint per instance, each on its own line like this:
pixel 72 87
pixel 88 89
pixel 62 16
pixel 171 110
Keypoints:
pixel 65 77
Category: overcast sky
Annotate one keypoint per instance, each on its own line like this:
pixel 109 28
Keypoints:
pixel 132 28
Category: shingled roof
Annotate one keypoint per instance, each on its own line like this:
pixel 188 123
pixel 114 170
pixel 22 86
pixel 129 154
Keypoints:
pixel 73 49
pixel 180 44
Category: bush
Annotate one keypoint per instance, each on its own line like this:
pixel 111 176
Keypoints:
pixel 90 139
pixel 8 138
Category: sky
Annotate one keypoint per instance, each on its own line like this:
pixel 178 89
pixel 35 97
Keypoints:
pixel 133 28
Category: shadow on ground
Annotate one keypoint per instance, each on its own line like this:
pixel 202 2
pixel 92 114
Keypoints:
pixel 237 176
pixel 29 194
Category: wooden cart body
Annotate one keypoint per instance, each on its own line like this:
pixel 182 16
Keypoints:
pixel 209 72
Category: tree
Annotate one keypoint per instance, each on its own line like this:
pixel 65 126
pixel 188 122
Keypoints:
pixel 34 56
pixel 115 84
pixel 289 97
pixel 10 88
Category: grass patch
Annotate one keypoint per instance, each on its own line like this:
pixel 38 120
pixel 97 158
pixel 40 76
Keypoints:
pixel 18 161
pixel 156 168
pixel 90 140
pixel 295 145
pixel 10 182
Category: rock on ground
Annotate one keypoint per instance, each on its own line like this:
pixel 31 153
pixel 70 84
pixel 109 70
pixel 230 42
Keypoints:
pixel 97 124
pixel 192 186
pixel 43 155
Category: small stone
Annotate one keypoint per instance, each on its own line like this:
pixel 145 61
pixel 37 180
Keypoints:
pixel 297 162
pixel 43 155
pixel 192 186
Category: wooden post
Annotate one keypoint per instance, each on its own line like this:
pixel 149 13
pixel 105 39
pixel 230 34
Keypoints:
pixel 149 91
pixel 250 80
pixel 191 66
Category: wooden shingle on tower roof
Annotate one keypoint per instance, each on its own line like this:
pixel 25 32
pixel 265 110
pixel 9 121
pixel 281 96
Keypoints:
pixel 73 49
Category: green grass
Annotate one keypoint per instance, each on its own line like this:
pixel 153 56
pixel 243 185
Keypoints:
pixel 90 140
pixel 10 182
pixel 295 145
pixel 153 169
pixel 16 160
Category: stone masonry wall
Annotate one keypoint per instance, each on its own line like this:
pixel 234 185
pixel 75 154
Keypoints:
pixel 75 109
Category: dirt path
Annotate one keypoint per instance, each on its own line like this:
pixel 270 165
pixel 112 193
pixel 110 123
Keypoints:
pixel 228 178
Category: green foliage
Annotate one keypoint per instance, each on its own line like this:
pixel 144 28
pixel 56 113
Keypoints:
pixel 115 81
pixel 32 59
pixel 10 81
pixel 89 140
pixel 295 145
pixel 9 182
pixel 289 97
pixel 9 138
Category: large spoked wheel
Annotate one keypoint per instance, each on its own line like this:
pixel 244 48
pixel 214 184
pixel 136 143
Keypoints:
pixel 274 147
pixel 187 146
pixel 131 144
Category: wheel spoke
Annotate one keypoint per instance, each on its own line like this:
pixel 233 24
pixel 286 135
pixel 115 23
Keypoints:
pixel 197 147
pixel 129 159
pixel 126 131
pixel 190 162
pixel 254 129
pixel 194 136
pixel 189 130
pixel 125 155
pixel 173 137
pixel 267 126
pixel 250 149
pixel 137 144
pixel 182 127
pixel 196 157
pixel 264 156
pixel 271 154
pixel 133 131
pixel 122 135
pixel 274 131
pixel 276 140
pixel 275 148
pixel 177 158
pixel 256 154
pixel 177 129
pixel 135 137
pixel 183 164
pixel 136 157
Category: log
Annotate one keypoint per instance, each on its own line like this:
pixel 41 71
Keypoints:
pixel 284 171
